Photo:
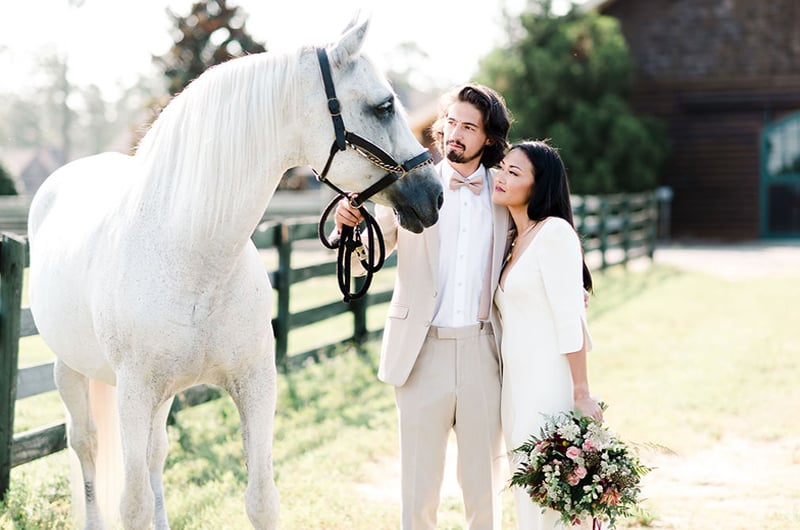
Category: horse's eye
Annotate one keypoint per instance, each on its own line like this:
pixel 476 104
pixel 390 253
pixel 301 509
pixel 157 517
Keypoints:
pixel 385 109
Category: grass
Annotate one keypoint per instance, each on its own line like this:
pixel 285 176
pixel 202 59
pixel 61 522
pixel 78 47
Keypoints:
pixel 701 365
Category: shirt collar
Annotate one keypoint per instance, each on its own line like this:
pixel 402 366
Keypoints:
pixel 448 171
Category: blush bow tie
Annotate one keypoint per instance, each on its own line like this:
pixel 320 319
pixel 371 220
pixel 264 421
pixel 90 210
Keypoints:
pixel 474 184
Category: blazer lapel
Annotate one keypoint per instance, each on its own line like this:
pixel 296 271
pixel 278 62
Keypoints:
pixel 431 237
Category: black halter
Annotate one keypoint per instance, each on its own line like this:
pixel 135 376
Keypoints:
pixel 350 240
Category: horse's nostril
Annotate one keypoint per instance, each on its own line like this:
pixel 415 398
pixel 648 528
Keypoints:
pixel 440 201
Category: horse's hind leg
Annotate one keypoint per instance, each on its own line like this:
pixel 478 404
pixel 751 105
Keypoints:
pixel 82 435
pixel 253 391
pixel 159 444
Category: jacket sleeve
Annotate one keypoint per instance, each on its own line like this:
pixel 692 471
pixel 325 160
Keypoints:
pixel 561 262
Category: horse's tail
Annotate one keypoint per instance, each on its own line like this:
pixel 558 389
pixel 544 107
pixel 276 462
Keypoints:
pixel 108 464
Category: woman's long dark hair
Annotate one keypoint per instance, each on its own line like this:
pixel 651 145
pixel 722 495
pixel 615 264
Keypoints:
pixel 550 197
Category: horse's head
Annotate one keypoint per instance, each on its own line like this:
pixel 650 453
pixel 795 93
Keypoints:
pixel 369 110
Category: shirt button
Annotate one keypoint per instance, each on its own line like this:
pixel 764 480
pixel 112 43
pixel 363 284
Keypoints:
pixel 435 294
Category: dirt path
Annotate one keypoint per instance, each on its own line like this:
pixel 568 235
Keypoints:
pixel 760 258
pixel 736 484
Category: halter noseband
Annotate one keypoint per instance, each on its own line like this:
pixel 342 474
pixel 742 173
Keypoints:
pixel 350 240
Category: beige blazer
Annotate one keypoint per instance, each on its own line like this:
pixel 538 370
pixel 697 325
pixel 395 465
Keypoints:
pixel 414 297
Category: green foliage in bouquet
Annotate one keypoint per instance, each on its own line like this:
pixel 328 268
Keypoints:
pixel 577 467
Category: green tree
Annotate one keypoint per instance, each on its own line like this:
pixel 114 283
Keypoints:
pixel 211 33
pixel 568 78
pixel 7 186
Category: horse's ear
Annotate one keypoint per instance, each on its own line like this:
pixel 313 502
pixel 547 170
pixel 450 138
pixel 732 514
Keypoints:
pixel 350 42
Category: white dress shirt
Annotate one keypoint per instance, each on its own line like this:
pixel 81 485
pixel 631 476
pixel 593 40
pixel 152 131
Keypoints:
pixel 465 243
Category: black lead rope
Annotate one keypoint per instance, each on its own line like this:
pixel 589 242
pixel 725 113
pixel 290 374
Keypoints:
pixel 350 242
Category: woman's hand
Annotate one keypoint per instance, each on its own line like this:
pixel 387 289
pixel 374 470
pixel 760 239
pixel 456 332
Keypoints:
pixel 589 407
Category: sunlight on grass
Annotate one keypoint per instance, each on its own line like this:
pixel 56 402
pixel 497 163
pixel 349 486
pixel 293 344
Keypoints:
pixel 692 362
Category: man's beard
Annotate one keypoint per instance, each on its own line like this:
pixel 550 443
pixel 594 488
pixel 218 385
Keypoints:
pixel 461 158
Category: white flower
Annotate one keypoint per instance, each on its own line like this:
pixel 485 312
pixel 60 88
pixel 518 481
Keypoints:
pixel 569 431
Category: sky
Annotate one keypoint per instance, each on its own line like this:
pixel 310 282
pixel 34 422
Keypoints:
pixel 110 42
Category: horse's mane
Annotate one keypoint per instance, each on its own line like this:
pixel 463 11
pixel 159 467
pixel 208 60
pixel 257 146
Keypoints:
pixel 208 152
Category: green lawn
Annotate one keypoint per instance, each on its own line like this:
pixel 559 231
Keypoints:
pixel 701 370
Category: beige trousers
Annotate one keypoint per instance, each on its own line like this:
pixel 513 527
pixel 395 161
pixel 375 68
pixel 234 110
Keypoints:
pixel 455 384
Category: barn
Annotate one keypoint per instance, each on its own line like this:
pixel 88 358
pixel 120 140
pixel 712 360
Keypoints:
pixel 725 76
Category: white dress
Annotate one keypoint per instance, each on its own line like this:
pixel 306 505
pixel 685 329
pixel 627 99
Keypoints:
pixel 542 314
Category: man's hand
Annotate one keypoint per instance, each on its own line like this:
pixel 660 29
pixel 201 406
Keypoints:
pixel 346 215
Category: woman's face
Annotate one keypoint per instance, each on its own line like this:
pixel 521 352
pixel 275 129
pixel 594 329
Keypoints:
pixel 513 182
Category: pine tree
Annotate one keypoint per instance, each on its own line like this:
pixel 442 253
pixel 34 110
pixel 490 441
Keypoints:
pixel 568 78
pixel 212 33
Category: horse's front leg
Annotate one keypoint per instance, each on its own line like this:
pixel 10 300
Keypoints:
pixel 159 444
pixel 137 404
pixel 253 391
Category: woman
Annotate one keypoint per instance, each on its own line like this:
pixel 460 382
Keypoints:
pixel 540 306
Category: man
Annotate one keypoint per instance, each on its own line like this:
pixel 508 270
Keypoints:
pixel 438 349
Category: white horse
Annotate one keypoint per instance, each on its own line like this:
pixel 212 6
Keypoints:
pixel 143 274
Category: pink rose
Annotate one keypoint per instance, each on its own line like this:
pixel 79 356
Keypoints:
pixel 573 452
pixel 580 472
pixel 588 445
pixel 573 480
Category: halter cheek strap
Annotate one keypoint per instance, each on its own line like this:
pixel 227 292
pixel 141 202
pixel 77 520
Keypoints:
pixel 350 241
pixel 334 107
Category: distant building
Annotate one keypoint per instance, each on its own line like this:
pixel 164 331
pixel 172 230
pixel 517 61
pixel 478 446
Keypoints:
pixel 725 75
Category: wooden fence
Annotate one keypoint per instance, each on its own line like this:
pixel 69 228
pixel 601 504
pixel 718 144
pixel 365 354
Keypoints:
pixel 615 229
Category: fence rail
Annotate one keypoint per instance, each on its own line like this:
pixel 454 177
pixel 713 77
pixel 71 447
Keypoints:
pixel 615 229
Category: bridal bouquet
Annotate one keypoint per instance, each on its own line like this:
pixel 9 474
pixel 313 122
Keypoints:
pixel 578 468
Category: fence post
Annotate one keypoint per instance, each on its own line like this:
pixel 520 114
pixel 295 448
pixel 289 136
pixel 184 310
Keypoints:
pixel 654 214
pixel 626 228
pixel 359 310
pixel 12 267
pixel 283 283
pixel 663 200
pixel 603 232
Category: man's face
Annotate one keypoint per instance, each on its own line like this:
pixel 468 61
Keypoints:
pixel 464 137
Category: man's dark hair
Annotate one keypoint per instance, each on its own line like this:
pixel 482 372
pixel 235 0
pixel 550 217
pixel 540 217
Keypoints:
pixel 496 119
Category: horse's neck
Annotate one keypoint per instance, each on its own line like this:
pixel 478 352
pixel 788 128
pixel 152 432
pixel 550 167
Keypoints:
pixel 214 158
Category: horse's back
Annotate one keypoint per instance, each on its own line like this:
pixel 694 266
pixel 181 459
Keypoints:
pixel 77 187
